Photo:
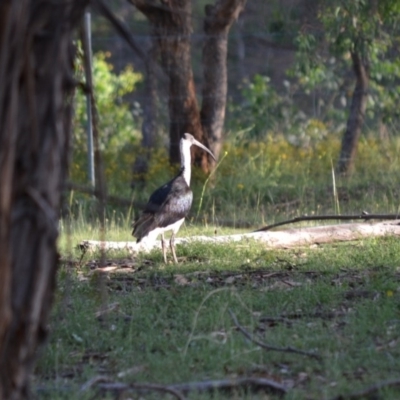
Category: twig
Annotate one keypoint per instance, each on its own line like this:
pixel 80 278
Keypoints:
pixel 289 317
pixel 196 316
pixel 93 381
pixel 255 384
pixel 205 183
pixel 268 347
pixel 120 27
pixel 365 216
pixel 123 30
pixel 368 391
pixel 124 387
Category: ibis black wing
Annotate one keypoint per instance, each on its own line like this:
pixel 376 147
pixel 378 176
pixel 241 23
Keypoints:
pixel 176 205
pixel 167 205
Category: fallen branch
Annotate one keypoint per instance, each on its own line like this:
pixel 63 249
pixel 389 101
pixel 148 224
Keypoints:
pixel 94 381
pixel 268 347
pixel 181 389
pixel 364 216
pixel 279 239
pixel 119 387
pixel 254 384
pixel 368 391
pixel 288 318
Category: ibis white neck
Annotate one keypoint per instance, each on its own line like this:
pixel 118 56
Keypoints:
pixel 186 160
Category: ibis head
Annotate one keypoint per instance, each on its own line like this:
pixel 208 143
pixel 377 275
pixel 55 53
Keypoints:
pixel 186 143
pixel 189 140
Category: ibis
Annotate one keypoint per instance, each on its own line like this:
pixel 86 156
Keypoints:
pixel 169 205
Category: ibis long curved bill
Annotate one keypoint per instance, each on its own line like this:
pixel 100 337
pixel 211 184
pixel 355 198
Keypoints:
pixel 198 144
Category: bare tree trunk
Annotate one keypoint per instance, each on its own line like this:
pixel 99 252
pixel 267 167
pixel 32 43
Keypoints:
pixel 219 19
pixel 171 25
pixel 356 117
pixel 36 71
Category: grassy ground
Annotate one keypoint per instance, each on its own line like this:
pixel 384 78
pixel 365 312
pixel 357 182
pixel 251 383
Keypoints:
pixel 136 320
pixel 172 324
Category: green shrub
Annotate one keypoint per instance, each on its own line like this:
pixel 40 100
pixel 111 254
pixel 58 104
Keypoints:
pixel 118 123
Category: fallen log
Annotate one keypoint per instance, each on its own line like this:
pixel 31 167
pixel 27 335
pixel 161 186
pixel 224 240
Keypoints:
pixel 289 238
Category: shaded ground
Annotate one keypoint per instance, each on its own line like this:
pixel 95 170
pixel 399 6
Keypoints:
pixel 135 321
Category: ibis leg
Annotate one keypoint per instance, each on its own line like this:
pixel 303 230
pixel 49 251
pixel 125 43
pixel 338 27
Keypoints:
pixel 164 248
pixel 172 244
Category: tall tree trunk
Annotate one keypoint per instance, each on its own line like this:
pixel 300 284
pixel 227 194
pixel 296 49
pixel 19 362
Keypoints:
pixel 171 25
pixel 219 19
pixel 356 117
pixel 36 71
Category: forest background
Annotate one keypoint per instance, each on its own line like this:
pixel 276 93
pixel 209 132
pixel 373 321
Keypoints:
pixel 291 101
pixel 310 127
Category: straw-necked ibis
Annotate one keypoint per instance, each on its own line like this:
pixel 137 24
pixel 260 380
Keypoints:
pixel 170 204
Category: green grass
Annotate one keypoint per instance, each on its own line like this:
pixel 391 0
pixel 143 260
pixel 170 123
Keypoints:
pixel 263 182
pixel 172 323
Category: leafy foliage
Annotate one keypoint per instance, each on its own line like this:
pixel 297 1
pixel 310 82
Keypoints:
pixel 118 121
pixel 369 29
pixel 263 111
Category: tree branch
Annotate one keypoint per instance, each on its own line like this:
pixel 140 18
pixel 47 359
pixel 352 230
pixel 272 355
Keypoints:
pixel 368 391
pixel 140 387
pixel 223 13
pixel 255 384
pixel 365 216
pixel 268 347
pixel 119 26
pixel 180 389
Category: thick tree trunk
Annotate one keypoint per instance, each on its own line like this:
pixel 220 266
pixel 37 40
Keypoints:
pixel 219 19
pixel 356 117
pixel 171 25
pixel 36 71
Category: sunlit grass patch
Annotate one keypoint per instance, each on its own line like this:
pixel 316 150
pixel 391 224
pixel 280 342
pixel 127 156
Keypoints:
pixel 261 182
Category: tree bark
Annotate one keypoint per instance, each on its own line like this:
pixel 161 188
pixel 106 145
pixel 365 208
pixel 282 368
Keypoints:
pixel 36 71
pixel 219 18
pixel 171 25
pixel 356 117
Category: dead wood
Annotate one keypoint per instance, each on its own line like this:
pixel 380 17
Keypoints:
pixel 364 216
pixel 369 391
pixel 119 387
pixel 181 389
pixel 268 347
pixel 230 385
pixel 306 236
